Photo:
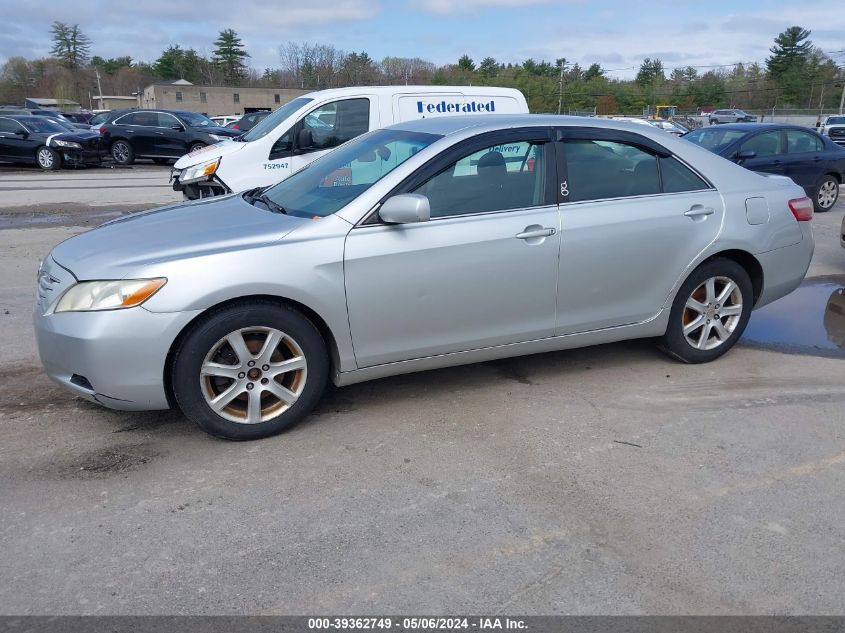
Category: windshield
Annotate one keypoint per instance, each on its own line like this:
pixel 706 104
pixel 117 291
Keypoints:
pixel 714 138
pixel 44 125
pixel 269 122
pixel 197 120
pixel 340 176
pixel 835 120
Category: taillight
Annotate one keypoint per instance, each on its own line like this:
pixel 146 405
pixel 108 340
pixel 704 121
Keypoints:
pixel 235 126
pixel 102 130
pixel 802 209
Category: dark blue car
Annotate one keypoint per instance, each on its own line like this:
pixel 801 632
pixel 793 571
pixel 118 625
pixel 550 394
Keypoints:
pixel 814 162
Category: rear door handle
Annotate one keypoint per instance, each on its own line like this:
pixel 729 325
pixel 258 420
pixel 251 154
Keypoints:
pixel 527 235
pixel 698 211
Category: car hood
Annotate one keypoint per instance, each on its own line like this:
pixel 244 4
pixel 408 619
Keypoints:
pixel 124 246
pixel 80 136
pixel 209 152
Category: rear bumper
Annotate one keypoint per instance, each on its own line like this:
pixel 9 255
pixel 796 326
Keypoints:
pixel 785 268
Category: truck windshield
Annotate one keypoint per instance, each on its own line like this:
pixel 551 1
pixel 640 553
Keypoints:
pixel 337 178
pixel 275 118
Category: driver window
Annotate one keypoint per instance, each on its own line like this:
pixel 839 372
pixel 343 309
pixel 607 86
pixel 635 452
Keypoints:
pixel 167 120
pixel 335 123
pixel 766 144
pixel 500 177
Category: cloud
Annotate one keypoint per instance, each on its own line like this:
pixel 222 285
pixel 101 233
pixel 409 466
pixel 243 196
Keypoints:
pixel 444 7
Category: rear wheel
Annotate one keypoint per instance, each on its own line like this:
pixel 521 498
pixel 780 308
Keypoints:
pixel 250 371
pixel 48 158
pixel 827 192
pixel 710 312
pixel 122 153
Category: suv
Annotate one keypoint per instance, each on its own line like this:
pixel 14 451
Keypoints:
pixel 833 127
pixel 731 116
pixel 159 134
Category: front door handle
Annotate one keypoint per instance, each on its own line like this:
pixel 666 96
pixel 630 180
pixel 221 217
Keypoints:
pixel 530 233
pixel 698 211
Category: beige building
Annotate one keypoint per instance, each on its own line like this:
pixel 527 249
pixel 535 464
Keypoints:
pixel 114 102
pixel 214 100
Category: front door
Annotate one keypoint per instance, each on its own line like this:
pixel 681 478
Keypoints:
pixel 768 148
pixel 482 272
pixel 13 145
pixel 633 218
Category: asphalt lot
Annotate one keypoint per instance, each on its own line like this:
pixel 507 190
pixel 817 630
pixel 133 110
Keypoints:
pixel 603 480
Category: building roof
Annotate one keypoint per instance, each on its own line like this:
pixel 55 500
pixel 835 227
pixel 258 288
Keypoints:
pixel 51 102
pixel 115 97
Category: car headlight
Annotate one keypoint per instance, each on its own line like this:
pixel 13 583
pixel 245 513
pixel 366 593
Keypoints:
pixel 88 296
pixel 200 171
pixel 60 143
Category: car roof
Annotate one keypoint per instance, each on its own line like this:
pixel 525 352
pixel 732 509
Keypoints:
pixel 23 118
pixel 407 90
pixel 448 125
pixel 755 127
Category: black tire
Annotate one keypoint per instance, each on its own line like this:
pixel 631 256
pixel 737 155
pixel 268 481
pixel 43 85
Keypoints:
pixel 714 122
pixel 161 161
pixel 676 343
pixel 195 147
pixel 122 152
pixel 47 158
pixel 192 391
pixel 823 203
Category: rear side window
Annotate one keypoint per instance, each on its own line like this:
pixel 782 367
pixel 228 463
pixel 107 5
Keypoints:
pixel 598 170
pixel 677 177
pixel 798 142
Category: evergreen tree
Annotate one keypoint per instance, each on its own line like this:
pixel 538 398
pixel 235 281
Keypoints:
pixel 230 55
pixel 466 63
pixel 70 45
pixel 790 51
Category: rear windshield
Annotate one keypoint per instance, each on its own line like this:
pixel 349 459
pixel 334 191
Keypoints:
pixel 275 118
pixel 714 138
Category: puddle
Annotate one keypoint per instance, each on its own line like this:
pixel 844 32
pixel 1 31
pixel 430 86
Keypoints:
pixel 810 320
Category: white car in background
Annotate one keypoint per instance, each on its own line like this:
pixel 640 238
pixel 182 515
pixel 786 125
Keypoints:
pixel 833 127
pixel 224 120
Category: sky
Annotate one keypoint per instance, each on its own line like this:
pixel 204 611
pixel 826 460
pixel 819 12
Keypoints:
pixel 616 34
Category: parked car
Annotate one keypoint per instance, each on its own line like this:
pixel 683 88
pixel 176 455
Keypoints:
pixel 811 160
pixel 307 127
pixel 669 126
pixel 434 242
pixel 247 121
pixel 46 142
pixel 731 116
pixel 225 120
pixel 159 134
pixel 50 114
pixel 834 128
pixel 78 117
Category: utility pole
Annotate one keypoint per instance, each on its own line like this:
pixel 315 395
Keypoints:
pixel 99 88
pixel 842 98
pixel 560 89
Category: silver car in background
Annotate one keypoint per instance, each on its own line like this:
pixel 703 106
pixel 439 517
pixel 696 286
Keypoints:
pixel 431 243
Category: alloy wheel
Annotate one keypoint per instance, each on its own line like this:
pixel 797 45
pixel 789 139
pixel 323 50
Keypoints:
pixel 253 375
pixel 120 152
pixel 828 192
pixel 712 313
pixel 45 158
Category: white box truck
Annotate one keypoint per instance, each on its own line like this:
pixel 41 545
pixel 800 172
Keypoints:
pixel 311 125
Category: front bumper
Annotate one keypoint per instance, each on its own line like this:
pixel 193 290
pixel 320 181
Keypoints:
pixel 115 358
pixel 79 157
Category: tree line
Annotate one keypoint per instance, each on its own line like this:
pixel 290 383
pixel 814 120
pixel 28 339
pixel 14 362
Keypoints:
pixel 797 74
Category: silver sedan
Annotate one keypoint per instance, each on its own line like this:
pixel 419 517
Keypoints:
pixel 431 243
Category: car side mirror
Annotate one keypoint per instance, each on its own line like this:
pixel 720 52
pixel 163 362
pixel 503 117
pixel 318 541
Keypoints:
pixel 305 139
pixel 406 208
pixel 23 133
pixel 745 154
pixel 177 127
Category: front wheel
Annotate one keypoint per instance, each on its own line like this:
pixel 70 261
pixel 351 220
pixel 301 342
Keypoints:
pixel 48 158
pixel 709 313
pixel 250 371
pixel 827 192
pixel 196 146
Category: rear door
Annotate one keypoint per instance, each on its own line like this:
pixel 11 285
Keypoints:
pixel 633 218
pixel 804 160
